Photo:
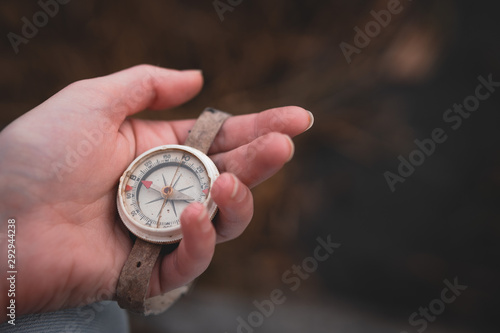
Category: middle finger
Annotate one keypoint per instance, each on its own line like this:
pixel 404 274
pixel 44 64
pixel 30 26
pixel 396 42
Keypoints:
pixel 257 161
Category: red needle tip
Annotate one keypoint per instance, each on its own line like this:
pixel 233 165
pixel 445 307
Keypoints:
pixel 147 183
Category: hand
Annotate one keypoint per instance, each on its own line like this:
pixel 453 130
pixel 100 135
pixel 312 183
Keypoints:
pixel 60 167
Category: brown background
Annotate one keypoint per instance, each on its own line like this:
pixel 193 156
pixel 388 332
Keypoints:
pixel 397 248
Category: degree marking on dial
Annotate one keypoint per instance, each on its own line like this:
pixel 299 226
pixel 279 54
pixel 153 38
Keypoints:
pixel 146 183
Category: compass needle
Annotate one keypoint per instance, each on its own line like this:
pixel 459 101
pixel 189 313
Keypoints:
pixel 159 213
pixel 177 180
pixel 147 183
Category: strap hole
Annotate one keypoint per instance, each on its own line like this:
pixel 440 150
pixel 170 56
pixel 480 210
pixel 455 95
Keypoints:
pixel 138 264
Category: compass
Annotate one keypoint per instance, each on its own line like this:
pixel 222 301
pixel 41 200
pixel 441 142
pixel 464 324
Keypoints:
pixel 158 185
pixel 152 194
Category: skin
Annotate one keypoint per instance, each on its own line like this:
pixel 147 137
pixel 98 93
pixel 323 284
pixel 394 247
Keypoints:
pixel 70 244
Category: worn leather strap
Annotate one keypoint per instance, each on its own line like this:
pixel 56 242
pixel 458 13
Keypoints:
pixel 133 283
pixel 134 278
pixel 205 129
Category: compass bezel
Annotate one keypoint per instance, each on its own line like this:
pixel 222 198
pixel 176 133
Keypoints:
pixel 171 234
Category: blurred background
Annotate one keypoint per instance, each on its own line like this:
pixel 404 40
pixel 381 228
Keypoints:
pixel 397 247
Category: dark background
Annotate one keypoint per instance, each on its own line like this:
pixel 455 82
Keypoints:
pixel 396 248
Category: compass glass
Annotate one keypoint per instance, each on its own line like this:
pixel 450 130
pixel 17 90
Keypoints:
pixel 159 185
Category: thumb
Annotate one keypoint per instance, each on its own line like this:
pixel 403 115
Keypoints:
pixel 130 91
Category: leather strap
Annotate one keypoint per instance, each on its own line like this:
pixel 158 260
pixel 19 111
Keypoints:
pixel 133 283
pixel 205 129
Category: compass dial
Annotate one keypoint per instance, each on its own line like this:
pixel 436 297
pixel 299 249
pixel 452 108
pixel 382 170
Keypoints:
pixel 157 187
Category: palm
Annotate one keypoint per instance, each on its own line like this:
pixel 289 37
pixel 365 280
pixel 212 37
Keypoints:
pixel 75 203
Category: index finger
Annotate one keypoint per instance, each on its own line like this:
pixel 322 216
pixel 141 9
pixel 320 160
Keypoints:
pixel 241 130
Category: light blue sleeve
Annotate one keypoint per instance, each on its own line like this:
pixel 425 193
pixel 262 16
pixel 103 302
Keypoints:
pixel 99 317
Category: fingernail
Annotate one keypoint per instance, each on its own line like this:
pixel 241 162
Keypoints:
pixel 292 148
pixel 221 182
pixel 311 120
pixel 202 217
pixel 200 212
pixel 214 191
pixel 235 186
pixel 193 70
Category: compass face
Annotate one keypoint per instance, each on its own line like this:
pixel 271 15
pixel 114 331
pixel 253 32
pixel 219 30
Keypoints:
pixel 157 187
